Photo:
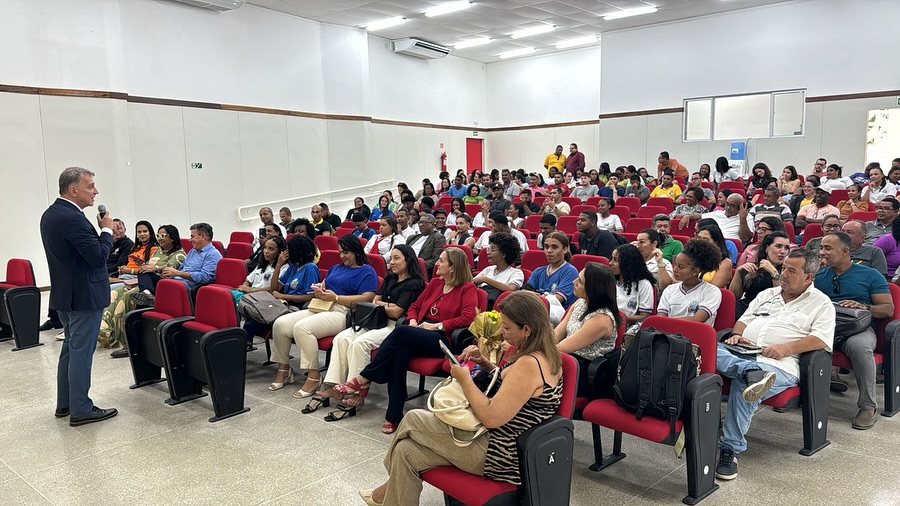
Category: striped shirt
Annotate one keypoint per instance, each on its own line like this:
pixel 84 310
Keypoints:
pixel 501 462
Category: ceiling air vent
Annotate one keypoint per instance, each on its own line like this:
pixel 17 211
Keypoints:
pixel 420 49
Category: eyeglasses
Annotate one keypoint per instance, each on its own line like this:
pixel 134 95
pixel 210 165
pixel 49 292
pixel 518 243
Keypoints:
pixel 162 236
pixel 832 226
pixel 763 229
pixel 836 284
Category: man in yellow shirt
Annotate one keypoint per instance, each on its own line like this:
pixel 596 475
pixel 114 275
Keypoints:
pixel 555 159
pixel 666 188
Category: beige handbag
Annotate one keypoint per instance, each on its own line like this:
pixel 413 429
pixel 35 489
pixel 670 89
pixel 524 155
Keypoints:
pixel 449 404
pixel 320 305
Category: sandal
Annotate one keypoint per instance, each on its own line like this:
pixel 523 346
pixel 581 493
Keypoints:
pixel 302 394
pixel 353 387
pixel 388 427
pixel 341 413
pixel 287 380
pixel 315 403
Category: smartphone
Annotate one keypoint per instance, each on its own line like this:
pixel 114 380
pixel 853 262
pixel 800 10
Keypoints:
pixel 450 356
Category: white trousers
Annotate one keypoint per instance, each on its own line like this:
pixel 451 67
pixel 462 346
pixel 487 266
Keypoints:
pixel 352 351
pixel 305 328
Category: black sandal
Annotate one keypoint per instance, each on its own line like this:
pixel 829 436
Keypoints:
pixel 341 413
pixel 315 403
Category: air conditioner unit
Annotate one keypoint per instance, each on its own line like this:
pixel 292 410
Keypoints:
pixel 217 5
pixel 420 49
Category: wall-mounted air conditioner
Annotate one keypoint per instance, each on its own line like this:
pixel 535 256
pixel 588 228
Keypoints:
pixel 420 49
pixel 217 5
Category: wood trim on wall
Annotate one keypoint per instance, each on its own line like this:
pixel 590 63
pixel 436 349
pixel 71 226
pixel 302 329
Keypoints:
pixel 64 92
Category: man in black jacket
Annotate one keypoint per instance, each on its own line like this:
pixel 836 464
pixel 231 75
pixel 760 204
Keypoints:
pixel 592 240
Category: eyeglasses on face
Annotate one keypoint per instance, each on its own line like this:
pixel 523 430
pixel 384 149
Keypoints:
pixel 831 226
pixel 161 236
pixel 763 229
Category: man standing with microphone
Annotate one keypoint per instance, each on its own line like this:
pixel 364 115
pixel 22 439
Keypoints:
pixel 79 291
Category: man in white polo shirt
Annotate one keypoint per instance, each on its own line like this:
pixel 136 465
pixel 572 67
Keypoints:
pixel 729 219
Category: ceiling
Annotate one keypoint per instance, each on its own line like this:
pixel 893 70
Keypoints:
pixel 497 19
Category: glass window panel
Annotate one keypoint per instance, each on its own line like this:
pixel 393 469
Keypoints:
pixel 742 117
pixel 697 119
pixel 787 117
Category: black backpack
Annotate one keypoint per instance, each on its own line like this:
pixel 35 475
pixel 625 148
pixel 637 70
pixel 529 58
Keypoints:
pixel 653 374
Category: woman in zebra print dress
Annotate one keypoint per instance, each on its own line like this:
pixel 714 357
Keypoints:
pixel 527 392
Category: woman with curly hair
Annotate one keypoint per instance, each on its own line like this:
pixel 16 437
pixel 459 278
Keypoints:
pixel 500 275
pixel 721 275
pixel 473 194
pixel 634 283
pixel 691 298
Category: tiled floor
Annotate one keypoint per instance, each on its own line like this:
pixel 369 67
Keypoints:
pixel 152 453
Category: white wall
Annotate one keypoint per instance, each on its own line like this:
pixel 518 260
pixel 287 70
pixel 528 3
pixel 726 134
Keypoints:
pixel 827 46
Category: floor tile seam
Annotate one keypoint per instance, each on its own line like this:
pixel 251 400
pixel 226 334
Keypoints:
pixel 22 478
pixel 680 467
pixel 327 477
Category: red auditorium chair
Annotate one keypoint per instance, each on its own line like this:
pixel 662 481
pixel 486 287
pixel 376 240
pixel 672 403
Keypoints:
pixel 572 201
pixel 651 211
pixel 219 246
pixel 326 242
pixel 467 250
pixel 633 204
pixel 637 225
pixel 580 260
pixel 241 236
pixel 20 308
pixel 532 259
pixel 863 215
pixel 239 250
pixel 208 350
pixel 377 263
pixel 473 209
pixel 725 316
pixel 732 185
pixel 341 232
pixel 478 231
pixel 533 223
pixel 699 422
pixel 623 212
pixel 143 328
pixel 663 202
pixel 811 231
pixel 837 195
pixel 482 259
pixel 186 245
pixel 545 453
pixel 329 258
pixel 230 273
pixel 576 210
pixel 567 224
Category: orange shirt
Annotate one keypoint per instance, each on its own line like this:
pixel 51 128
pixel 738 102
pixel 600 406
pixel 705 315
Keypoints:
pixel 139 252
pixel 680 170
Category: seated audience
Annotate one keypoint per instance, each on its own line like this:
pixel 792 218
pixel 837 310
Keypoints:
pixel 331 218
pixel 766 226
pixel 691 298
pixel 878 188
pixel 721 276
pixel 500 275
pixel 546 226
pixel 448 303
pixel 121 249
pixel 480 219
pixel 585 190
pixel 388 236
pixel 527 393
pixel 462 232
pixel 762 178
pixel 528 203
pixel 593 240
pixel 648 244
pixel 670 246
pixel 881 225
pixel 270 230
pixel 762 273
pixel 816 212
pixel 554 281
pixel 588 330
pixel 724 172
pixel 637 189
pixel 634 285
pixel 890 245
pixel 352 349
pixel 499 223
pixel 788 183
pixel 500 203
pixel 612 190
pixel 729 220
pixel 140 253
pixel 383 209
pixel 667 188
pixel 352 280
pixel 606 220
pixel 440 221
pixel 786 320
pixel 729 243
pixel 853 202
pixel 286 217
pixel 297 272
pixel 199 267
pixel 168 254
pixel 830 223
pixel 473 195
pixel 833 178
pixel 361 227
pixel 322 227
pixel 856 286
pixel 558 183
pixel 457 209
pixel 262 277
pixel 870 256
pixel 360 207
pixel 690 210
pixel 516 215
pixel 555 205
pixel 697 180
pixel 770 206
pixel 428 243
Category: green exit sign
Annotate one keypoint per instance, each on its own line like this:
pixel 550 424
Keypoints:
pixel 196 165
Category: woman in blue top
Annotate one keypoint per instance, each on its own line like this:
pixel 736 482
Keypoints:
pixel 555 281
pixel 383 210
pixel 353 280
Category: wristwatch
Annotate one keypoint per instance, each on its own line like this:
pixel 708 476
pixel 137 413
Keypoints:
pixel 776 276
pixel 440 326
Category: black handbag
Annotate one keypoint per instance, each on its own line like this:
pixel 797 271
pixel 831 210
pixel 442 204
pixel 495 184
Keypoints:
pixel 366 315
pixel 849 321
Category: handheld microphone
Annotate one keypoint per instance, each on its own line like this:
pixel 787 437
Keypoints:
pixel 102 210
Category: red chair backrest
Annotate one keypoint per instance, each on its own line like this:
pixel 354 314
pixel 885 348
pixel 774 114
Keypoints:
pixel 473 209
pixel 706 184
pixel 572 201
pixel 637 225
pixel 326 242
pixel 341 232
pixel 422 267
pixel 623 212
pixel 215 307
pixel 19 272
pixel 731 185
pixel 593 201
pixel 186 245
pixel 699 333
pixel 241 236
pixel 863 215
pixel 664 202
pixel 789 230
pixel 632 203
pixel 725 316
pixel 483 258
pixel 837 195
pixel 329 258
pixel 230 272
pixel 570 383
pixel 567 224
pixel 651 211
pixel 576 210
pixel 346 224
pixel 377 263
pixel 219 246
pixel 444 203
pixel 482 299
pixel 531 243
pixel 580 260
pixel 533 223
pixel 172 298
pixel 467 250
pixel 239 250
pixel 531 260
pixel 478 231
pixel 811 231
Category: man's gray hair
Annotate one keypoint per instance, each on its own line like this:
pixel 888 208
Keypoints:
pixel 72 176
pixel 426 217
pixel 661 217
pixel 811 261
pixel 203 228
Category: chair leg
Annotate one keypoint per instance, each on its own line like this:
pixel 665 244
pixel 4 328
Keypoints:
pixel 268 353
pixel 421 391
pixel 324 368
pixel 601 462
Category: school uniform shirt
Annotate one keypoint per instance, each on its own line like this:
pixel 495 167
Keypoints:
pixel 561 282
pixel 298 280
pixel 678 302
pixel 509 276
pixel 640 300
pixel 611 223
pixel 653 267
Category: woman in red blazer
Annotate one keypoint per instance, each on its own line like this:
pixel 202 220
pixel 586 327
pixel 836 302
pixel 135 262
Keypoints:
pixel 448 303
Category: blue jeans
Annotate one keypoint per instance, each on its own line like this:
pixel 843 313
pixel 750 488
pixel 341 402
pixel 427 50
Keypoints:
pixel 739 412
pixel 73 374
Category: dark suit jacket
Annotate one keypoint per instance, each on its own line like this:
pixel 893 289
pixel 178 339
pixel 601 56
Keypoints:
pixel 77 257
pixel 431 250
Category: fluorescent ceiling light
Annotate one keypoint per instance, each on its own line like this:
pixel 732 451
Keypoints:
pixel 580 41
pixel 627 13
pixel 473 42
pixel 447 8
pixel 385 23
pixel 528 32
pixel 517 52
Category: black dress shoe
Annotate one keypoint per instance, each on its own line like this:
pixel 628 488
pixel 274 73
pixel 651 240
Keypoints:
pixel 50 324
pixel 123 353
pixel 61 413
pixel 96 415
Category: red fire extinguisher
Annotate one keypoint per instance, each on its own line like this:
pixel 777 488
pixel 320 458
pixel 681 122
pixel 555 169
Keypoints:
pixel 444 161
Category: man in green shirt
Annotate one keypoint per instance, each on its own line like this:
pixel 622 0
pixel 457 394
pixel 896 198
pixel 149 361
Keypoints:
pixel 670 247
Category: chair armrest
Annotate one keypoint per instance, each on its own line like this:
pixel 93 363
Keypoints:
pixel 460 338
pixel 539 432
pixel 602 372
